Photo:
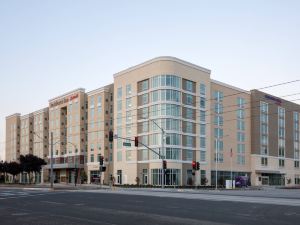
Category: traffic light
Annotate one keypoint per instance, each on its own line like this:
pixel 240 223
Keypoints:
pixel 111 136
pixel 198 166
pixel 101 160
pixel 164 164
pixel 136 141
pixel 194 165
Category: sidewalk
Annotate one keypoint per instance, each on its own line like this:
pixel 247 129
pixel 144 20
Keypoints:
pixel 56 186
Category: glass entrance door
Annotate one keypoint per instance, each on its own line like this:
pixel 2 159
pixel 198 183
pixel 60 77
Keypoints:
pixel 265 180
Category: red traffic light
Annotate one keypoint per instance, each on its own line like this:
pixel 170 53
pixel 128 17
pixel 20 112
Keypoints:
pixel 194 165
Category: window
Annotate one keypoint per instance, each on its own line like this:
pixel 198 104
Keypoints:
pixel 92 158
pixel 218 133
pixel 128 89
pixel 240 137
pixel 202 116
pixel 241 125
pixel 144 85
pixel 165 80
pixel 202 102
pixel 189 114
pixel 119 105
pixel 119 93
pixel 144 99
pixel 189 155
pixel 218 108
pixel 202 129
pixel 202 89
pixel 296 164
pixel 128 103
pixel 92 101
pixel 189 127
pixel 218 96
pixel 240 102
pixel 190 141
pixel 99 100
pixel 281 162
pixel 218 120
pixel 202 142
pixel 202 156
pixel 128 117
pixel 264 161
pixel 189 85
pixel 189 99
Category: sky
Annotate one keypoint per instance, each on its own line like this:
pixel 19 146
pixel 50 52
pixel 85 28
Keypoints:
pixel 50 47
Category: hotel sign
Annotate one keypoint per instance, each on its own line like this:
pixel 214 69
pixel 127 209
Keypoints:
pixel 64 100
pixel 276 100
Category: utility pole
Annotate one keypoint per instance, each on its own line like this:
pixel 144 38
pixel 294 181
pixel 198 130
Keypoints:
pixel 231 168
pixel 51 161
pixel 163 158
pixel 75 174
pixel 217 159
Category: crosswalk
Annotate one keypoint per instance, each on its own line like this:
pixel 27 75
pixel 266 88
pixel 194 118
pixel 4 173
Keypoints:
pixel 6 193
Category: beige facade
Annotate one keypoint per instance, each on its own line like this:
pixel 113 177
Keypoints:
pixel 254 134
pixel 100 122
pixel 12 147
pixel 230 131
pixel 26 134
pixel 165 91
pixel 275 140
pixel 41 133
pixel 67 123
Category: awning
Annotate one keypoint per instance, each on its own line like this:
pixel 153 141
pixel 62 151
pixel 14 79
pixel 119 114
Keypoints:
pixel 269 171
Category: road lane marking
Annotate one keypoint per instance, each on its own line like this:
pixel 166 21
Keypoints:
pixel 56 203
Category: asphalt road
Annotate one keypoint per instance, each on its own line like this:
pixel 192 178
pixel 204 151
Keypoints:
pixel 38 207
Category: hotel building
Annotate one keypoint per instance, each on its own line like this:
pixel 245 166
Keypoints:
pixel 67 123
pixel 12 147
pixel 100 122
pixel 41 140
pixel 178 114
pixel 275 140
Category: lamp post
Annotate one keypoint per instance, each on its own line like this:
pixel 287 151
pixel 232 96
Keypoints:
pixel 217 156
pixel 162 152
pixel 75 162
pixel 216 163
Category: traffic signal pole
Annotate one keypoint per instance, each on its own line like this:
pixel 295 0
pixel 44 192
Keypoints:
pixel 160 155
pixel 162 159
pixel 51 161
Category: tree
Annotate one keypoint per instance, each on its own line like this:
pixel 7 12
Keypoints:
pixel 31 164
pixel 14 169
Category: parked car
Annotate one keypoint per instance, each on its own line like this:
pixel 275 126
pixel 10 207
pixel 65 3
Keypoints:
pixel 242 181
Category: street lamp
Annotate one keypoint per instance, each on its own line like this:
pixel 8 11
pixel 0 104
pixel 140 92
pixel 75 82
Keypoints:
pixel 162 150
pixel 217 156
pixel 75 161
pixel 51 156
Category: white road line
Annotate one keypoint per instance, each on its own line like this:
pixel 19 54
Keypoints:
pixel 56 203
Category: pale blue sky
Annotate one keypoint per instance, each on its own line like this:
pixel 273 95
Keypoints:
pixel 50 47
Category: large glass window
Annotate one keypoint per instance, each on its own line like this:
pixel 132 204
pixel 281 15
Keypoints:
pixel 165 81
pixel 172 176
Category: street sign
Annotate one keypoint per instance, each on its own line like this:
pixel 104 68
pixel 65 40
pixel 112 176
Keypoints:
pixel 127 144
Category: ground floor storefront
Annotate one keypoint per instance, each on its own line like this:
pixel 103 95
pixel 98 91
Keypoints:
pixel 67 175
pixel 222 176
pixel 172 177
